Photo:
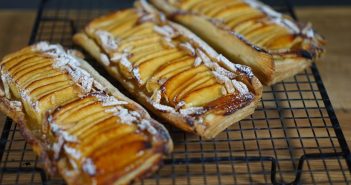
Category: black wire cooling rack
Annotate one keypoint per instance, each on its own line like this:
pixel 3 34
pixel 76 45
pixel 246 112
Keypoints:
pixel 293 137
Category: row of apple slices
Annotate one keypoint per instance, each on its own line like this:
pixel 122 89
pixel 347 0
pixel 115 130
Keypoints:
pixel 252 23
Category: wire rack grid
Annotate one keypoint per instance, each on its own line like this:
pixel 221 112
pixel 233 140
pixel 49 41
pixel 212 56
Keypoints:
pixel 293 137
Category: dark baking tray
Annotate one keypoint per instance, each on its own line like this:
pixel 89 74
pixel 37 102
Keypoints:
pixel 293 137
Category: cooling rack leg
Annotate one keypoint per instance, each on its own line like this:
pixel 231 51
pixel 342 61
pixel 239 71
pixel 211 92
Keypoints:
pixel 4 136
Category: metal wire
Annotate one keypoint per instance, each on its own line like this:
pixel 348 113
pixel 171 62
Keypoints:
pixel 293 137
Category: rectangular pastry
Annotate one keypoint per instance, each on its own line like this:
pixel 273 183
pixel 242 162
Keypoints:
pixel 77 122
pixel 171 71
pixel 251 33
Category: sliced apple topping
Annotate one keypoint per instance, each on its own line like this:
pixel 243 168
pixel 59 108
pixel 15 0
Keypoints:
pixel 147 68
pixel 173 83
pixel 202 96
pixel 167 71
pixel 139 30
pixel 207 80
pixel 140 42
pixel 195 78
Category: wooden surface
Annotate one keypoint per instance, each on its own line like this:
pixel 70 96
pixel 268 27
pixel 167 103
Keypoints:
pixel 335 67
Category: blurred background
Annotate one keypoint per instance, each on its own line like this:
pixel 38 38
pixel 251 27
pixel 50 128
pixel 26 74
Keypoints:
pixel 330 18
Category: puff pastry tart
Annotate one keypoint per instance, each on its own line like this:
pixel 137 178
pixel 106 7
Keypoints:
pixel 171 71
pixel 76 121
pixel 251 33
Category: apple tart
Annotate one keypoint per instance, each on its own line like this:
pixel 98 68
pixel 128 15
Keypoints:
pixel 77 122
pixel 171 71
pixel 250 33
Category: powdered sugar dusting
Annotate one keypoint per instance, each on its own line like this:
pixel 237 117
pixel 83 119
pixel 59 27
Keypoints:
pixel 104 59
pixel 109 100
pixel 226 62
pixel 156 97
pixel 197 61
pixel 205 59
pixel 245 69
pixel 188 48
pixel 163 108
pixel 241 87
pixel 5 77
pixel 192 110
pixel 106 39
pixel 126 63
pixel 73 152
pixel 137 75
pixel 125 116
pixel 168 42
pixel 89 167
pixel 16 105
pixel 165 30
pixel 180 104
pixel 146 125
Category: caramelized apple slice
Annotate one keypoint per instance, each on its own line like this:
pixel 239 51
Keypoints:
pixel 200 6
pixel 173 83
pixel 281 42
pixel 83 112
pixel 202 96
pixel 192 80
pixel 44 82
pixel 176 64
pixel 88 122
pixel 49 88
pixel 233 11
pixel 138 37
pixel 243 18
pixel 189 4
pixel 259 33
pixel 240 28
pixel 125 149
pixel 147 68
pixel 110 22
pixel 39 76
pixel 72 107
pixel 29 62
pixel 138 30
pixel 217 9
pixel 155 84
pixel 214 5
pixel 50 101
pixel 124 27
pixel 276 33
pixel 140 42
pixel 151 56
pixel 206 81
pixel 105 125
pixel 243 11
pixel 167 71
pixel 31 69
pixel 146 47
pixel 114 131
